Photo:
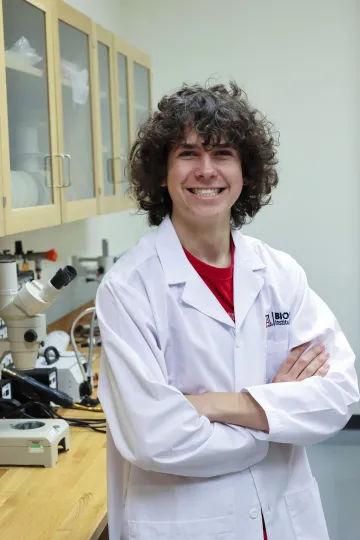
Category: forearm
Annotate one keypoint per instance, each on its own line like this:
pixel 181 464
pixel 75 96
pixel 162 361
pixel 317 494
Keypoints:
pixel 240 409
pixel 306 412
pixel 192 446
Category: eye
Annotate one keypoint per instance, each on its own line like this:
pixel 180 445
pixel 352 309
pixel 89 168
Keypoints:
pixel 187 153
pixel 225 152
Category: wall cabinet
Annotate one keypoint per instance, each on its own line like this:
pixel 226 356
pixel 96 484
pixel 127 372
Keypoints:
pixel 71 97
pixel 132 103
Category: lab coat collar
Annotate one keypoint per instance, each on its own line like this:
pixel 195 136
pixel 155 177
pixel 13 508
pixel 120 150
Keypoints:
pixel 248 278
pixel 177 269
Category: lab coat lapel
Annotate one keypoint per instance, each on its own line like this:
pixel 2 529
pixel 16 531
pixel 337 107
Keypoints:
pixel 248 281
pixel 178 270
pixel 198 295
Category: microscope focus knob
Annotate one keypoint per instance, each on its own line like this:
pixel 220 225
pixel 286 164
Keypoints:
pixel 30 336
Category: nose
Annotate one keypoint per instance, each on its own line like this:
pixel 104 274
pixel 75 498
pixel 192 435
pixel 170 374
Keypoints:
pixel 205 168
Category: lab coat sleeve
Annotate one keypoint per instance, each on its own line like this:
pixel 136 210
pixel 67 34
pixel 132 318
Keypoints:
pixel 152 424
pixel 313 410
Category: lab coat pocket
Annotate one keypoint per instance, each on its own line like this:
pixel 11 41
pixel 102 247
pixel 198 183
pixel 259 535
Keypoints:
pixel 276 354
pixel 205 529
pixel 306 514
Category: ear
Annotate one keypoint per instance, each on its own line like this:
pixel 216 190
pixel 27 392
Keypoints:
pixel 163 183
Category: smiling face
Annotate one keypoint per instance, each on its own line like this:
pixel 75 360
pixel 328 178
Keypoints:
pixel 203 182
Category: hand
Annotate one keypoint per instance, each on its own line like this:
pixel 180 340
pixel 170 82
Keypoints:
pixel 301 365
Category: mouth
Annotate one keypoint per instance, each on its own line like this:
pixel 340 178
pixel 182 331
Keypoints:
pixel 206 192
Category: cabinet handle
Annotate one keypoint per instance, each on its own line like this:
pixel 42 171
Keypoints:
pixel 63 157
pixel 68 157
pixel 47 158
pixel 120 181
pixel 110 164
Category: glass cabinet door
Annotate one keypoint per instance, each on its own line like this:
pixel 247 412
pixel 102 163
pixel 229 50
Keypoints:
pixel 141 93
pixel 133 90
pixel 123 103
pixel 106 123
pixel 75 85
pixel 107 134
pixel 78 174
pixel 30 103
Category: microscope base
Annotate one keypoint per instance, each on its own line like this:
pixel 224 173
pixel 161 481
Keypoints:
pixel 33 442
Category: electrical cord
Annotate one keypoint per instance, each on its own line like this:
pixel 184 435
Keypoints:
pixel 35 409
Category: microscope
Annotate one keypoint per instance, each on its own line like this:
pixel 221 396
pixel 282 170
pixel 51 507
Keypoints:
pixel 94 268
pixel 29 441
pixel 23 259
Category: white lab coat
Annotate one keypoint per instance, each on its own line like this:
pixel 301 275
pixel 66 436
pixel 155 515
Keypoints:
pixel 173 475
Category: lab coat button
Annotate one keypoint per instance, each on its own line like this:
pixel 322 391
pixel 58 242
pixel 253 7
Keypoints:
pixel 253 513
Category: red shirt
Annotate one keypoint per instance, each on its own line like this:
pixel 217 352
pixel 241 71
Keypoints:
pixel 221 283
pixel 219 280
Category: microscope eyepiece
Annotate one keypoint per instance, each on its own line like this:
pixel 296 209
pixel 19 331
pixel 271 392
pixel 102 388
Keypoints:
pixel 63 277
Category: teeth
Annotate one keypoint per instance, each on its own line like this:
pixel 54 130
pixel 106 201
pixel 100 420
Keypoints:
pixel 206 192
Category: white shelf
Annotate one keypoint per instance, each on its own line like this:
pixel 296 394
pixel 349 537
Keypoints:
pixel 16 63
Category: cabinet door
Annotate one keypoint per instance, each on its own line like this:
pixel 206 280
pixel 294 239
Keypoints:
pixel 74 67
pixel 105 95
pixel 141 87
pixel 28 117
pixel 133 106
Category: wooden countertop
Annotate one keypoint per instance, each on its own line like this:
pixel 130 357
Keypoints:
pixel 67 502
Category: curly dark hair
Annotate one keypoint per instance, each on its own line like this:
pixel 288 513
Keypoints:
pixel 217 114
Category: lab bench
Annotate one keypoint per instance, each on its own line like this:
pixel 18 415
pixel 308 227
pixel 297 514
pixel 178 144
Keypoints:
pixel 67 502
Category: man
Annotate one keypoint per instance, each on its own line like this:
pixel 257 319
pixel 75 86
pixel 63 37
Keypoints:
pixel 220 364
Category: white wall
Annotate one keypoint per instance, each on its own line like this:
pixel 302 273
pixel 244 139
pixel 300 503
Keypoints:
pixel 299 63
pixel 108 13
